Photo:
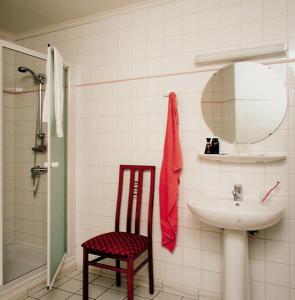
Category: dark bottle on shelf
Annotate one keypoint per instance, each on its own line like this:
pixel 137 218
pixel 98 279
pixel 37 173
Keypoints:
pixel 208 146
pixel 215 146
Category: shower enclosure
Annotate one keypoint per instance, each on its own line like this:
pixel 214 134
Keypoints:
pixel 33 174
pixel 39 144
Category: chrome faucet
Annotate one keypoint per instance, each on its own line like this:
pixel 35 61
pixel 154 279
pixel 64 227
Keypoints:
pixel 237 192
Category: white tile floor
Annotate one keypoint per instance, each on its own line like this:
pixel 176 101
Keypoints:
pixel 69 286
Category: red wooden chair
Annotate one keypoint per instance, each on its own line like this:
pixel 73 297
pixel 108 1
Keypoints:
pixel 125 246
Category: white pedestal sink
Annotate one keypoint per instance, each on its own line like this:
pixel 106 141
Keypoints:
pixel 236 218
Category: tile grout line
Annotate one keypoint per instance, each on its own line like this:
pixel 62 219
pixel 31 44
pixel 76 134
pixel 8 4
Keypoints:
pixel 47 292
pixel 109 288
pixel 102 293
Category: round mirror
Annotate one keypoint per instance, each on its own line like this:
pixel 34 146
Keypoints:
pixel 244 102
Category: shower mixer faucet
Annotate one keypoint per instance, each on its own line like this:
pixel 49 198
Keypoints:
pixel 36 173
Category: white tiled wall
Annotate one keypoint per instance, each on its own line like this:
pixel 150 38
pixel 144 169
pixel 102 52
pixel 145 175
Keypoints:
pixel 124 122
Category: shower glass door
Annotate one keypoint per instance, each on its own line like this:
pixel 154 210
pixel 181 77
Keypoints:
pixel 57 207
pixel 24 216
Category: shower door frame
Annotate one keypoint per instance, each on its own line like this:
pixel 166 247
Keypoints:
pixel 70 140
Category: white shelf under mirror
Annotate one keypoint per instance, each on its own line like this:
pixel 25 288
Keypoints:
pixel 244 158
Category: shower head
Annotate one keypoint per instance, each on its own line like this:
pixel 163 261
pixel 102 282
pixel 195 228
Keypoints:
pixel 26 69
pixel 40 78
pixel 22 69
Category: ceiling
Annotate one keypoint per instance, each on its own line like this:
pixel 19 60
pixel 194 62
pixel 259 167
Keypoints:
pixel 20 16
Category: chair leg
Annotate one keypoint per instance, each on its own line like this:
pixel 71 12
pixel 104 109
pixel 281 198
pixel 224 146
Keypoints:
pixel 118 274
pixel 151 269
pixel 130 278
pixel 85 274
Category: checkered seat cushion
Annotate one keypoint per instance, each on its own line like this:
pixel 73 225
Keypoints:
pixel 117 244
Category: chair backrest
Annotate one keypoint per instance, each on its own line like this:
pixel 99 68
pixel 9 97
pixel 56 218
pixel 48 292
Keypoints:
pixel 135 193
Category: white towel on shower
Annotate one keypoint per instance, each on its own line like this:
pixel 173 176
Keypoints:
pixel 48 90
pixel 58 91
pixel 55 87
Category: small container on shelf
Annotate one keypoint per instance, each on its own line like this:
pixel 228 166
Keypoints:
pixel 215 146
pixel 208 146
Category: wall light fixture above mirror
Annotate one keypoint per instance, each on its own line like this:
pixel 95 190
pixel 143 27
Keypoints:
pixel 235 55
pixel 244 102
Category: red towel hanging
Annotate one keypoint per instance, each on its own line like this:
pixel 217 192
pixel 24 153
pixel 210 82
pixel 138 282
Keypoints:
pixel 170 177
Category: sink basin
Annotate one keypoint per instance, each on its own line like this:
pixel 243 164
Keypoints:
pixel 242 215
pixel 236 218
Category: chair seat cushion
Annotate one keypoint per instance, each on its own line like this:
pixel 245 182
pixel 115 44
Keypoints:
pixel 121 244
